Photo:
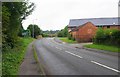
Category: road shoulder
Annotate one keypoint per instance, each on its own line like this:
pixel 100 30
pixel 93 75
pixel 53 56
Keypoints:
pixel 29 65
pixel 81 46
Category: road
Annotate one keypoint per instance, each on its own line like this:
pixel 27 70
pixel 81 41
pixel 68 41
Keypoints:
pixel 63 59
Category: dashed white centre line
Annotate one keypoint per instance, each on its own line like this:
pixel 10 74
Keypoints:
pixel 73 54
pixel 59 48
pixel 105 66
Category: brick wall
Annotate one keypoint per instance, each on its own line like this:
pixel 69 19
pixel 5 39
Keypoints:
pixel 74 34
pixel 86 32
pixel 112 27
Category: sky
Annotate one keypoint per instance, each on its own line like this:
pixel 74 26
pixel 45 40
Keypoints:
pixel 55 14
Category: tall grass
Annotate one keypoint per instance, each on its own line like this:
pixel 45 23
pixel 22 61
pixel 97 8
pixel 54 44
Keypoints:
pixel 12 58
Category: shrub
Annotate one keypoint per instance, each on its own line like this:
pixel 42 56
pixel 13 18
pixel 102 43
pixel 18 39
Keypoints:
pixel 70 37
pixel 108 36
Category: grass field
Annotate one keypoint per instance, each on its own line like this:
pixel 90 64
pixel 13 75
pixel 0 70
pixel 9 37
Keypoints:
pixel 12 58
pixel 104 47
pixel 65 39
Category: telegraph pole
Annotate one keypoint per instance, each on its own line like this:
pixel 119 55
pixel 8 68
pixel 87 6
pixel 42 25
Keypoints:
pixel 33 29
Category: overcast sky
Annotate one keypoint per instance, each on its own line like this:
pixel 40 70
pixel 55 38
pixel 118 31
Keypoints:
pixel 55 14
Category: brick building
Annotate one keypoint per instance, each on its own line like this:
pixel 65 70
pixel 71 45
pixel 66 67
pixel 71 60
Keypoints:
pixel 83 30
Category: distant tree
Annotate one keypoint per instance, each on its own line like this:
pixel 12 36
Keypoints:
pixel 37 30
pixel 21 29
pixel 26 33
pixel 50 33
pixel 63 32
pixel 60 34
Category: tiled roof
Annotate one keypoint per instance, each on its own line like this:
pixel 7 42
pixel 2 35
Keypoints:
pixel 95 21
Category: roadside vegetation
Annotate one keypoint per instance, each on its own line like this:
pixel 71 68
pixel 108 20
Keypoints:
pixel 65 36
pixel 106 40
pixel 50 33
pixel 12 58
pixel 103 47
pixel 14 42
pixel 37 30
pixel 65 39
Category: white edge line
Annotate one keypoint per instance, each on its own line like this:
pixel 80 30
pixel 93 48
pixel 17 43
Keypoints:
pixel 105 66
pixel 56 47
pixel 73 54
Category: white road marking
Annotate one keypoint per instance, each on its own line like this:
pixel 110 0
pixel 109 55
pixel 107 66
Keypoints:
pixel 59 48
pixel 73 54
pixel 105 66
pixel 92 61
pixel 63 42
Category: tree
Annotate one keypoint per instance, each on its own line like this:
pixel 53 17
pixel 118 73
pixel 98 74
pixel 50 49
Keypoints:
pixel 63 32
pixel 37 30
pixel 5 23
pixel 13 15
pixel 21 29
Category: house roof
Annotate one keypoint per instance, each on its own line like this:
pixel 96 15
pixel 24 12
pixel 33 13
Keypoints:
pixel 95 21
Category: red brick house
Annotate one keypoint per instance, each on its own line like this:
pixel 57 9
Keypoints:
pixel 74 33
pixel 83 30
pixel 86 32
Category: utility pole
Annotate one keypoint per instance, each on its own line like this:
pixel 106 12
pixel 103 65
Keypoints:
pixel 33 29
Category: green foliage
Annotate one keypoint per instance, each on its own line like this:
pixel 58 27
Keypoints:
pixel 26 33
pixel 45 35
pixel 108 37
pixel 50 33
pixel 63 32
pixel 65 39
pixel 13 13
pixel 21 29
pixel 103 47
pixel 70 37
pixel 12 58
pixel 60 34
pixel 37 30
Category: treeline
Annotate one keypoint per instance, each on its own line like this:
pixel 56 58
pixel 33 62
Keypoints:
pixel 107 37
pixel 34 30
pixel 50 33
pixel 13 13
pixel 64 33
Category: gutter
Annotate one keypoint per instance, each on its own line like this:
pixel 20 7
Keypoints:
pixel 37 59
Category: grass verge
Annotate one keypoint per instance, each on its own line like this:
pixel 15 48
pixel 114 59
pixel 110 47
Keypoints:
pixel 65 39
pixel 36 58
pixel 12 58
pixel 103 47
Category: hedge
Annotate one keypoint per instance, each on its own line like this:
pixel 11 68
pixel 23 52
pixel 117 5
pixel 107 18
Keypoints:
pixel 108 36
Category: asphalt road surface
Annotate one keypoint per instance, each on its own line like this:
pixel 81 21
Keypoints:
pixel 63 59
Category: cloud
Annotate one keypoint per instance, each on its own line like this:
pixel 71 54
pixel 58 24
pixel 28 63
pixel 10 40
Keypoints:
pixel 55 14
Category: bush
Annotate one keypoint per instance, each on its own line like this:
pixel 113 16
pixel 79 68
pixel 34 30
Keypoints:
pixel 108 36
pixel 70 37
pixel 12 58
